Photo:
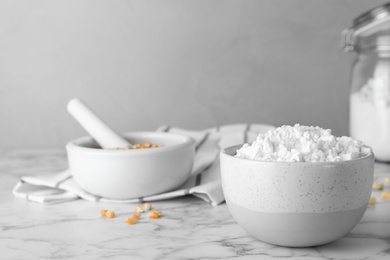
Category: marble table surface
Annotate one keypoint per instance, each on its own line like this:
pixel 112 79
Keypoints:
pixel 189 229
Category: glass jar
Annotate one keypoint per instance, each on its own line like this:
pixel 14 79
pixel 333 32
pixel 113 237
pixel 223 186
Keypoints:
pixel 369 100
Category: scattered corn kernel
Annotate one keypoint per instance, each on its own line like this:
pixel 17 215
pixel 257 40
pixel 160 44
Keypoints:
pixel 387 180
pixel 103 212
pixel 138 209
pixel 377 186
pixel 372 201
pixel 386 194
pixel 131 221
pixel 136 216
pixel 153 215
pixel 157 212
pixel 147 206
pixel 375 176
pixel 110 214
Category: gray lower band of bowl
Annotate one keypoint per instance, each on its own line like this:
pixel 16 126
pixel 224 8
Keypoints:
pixel 296 229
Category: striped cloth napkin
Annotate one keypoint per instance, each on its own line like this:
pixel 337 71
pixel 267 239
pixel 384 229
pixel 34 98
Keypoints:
pixel 204 183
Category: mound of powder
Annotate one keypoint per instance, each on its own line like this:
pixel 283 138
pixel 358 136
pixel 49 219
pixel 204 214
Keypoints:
pixel 303 144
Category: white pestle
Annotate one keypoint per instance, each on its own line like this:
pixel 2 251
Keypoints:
pixel 99 130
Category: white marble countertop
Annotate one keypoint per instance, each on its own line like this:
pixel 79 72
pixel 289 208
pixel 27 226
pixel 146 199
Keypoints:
pixel 189 229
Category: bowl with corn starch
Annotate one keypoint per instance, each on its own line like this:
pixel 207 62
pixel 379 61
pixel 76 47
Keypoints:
pixel 297 203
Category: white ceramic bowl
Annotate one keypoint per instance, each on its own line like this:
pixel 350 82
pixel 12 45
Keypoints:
pixel 125 174
pixel 296 204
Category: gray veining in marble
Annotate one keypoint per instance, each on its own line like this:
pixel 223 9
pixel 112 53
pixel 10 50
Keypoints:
pixel 188 229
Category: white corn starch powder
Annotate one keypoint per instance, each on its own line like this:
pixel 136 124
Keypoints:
pixel 302 144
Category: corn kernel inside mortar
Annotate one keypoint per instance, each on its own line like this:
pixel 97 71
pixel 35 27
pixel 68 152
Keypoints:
pixel 139 146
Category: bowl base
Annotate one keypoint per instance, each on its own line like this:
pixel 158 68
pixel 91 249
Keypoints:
pixel 296 229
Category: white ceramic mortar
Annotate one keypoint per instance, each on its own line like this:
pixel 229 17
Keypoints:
pixel 125 174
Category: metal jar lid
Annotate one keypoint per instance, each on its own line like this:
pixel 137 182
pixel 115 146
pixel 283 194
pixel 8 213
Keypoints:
pixel 367 24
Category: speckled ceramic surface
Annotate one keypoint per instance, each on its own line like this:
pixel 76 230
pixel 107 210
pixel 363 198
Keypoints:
pixel 286 189
pixel 296 187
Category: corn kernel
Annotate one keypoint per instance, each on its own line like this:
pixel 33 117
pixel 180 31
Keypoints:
pixel 136 216
pixel 386 194
pixel 157 212
pixel 375 176
pixel 139 146
pixel 130 221
pixel 148 145
pixel 372 201
pixel 377 186
pixel 387 180
pixel 103 212
pixel 110 214
pixel 153 214
pixel 147 206
pixel 138 209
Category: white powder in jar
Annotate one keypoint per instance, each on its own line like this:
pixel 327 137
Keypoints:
pixel 369 113
pixel 302 144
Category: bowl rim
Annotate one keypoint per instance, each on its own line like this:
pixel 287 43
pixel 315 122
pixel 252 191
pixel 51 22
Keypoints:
pixel 224 153
pixel 72 146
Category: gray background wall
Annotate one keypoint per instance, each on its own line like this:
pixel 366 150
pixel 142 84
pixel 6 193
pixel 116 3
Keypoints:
pixel 191 64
